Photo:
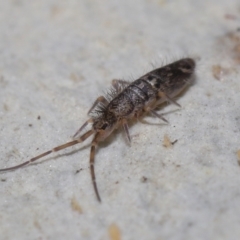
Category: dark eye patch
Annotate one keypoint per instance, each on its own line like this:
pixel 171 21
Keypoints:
pixel 187 66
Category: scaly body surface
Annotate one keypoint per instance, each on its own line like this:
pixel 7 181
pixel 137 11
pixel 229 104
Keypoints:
pixel 127 101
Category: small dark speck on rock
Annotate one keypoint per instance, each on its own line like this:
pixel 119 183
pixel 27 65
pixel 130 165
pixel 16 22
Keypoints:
pixel 144 179
pixel 30 125
pixel 3 179
pixel 39 117
pixel 79 170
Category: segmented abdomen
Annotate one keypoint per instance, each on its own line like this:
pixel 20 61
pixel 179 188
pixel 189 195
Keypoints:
pixel 152 88
pixel 133 99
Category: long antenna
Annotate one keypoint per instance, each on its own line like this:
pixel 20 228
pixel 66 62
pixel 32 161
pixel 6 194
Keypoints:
pixel 58 148
pixel 92 161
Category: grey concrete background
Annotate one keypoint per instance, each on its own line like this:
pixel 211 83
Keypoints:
pixel 56 57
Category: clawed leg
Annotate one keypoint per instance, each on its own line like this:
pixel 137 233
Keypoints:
pixel 165 96
pixel 155 114
pixel 125 127
pixel 58 148
pixel 100 99
pixel 90 120
pixel 158 115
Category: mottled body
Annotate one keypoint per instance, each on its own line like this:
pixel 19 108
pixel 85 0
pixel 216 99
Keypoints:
pixel 127 101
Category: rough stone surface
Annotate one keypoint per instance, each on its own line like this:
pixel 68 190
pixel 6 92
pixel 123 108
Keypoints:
pixel 56 57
